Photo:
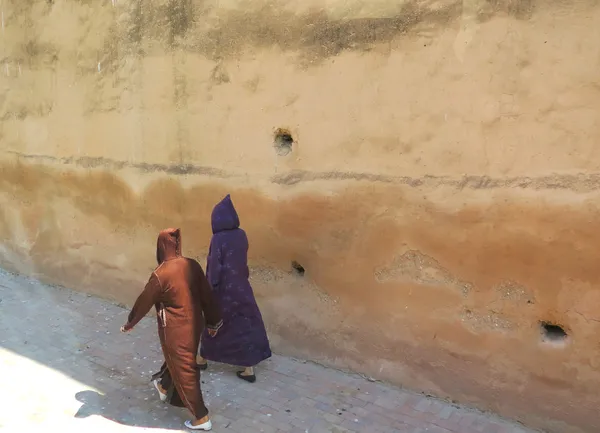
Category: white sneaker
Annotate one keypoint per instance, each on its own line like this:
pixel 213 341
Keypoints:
pixel 204 426
pixel 163 397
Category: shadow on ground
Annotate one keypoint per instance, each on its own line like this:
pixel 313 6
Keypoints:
pixel 110 407
pixel 78 337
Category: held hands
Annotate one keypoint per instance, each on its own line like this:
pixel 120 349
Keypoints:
pixel 212 332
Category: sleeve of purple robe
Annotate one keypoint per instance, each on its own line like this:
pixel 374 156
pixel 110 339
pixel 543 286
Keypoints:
pixel 214 263
pixel 144 302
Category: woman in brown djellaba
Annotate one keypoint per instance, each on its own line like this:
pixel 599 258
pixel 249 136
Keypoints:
pixel 184 302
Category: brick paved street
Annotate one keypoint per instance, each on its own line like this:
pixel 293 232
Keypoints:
pixel 68 367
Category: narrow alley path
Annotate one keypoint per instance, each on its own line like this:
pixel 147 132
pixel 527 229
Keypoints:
pixel 68 367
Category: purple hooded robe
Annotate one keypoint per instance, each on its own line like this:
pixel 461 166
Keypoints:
pixel 242 340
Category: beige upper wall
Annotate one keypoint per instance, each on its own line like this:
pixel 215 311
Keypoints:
pixel 428 89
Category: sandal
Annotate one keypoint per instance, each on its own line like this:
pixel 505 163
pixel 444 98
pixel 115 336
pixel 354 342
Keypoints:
pixel 249 379
pixel 161 395
pixel 204 426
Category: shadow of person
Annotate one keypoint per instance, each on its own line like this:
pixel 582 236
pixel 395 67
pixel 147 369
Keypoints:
pixel 129 409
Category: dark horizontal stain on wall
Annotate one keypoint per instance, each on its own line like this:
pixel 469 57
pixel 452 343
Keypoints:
pixel 217 33
pixel 520 9
pixel 575 182
pixel 111 164
pixel 315 35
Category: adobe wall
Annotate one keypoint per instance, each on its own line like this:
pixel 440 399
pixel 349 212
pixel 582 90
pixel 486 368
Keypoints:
pixel 441 192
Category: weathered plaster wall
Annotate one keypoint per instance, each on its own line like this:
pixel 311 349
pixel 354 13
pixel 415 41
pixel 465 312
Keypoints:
pixel 442 192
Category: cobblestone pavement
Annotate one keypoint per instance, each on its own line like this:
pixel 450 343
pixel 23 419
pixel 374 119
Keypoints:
pixel 69 367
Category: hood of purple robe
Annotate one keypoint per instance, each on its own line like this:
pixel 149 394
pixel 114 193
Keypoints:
pixel 168 245
pixel 224 216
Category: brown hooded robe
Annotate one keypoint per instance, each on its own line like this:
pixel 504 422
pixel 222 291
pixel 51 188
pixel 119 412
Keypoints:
pixel 183 299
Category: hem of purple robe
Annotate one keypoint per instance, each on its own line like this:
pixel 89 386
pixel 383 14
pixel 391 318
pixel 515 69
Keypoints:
pixel 236 362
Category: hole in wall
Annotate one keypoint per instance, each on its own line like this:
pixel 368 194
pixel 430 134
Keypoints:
pixel 298 268
pixel 283 142
pixel 553 334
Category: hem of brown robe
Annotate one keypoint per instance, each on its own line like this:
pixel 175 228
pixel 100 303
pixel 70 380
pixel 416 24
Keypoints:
pixel 173 397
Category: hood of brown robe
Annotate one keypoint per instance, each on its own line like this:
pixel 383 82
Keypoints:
pixel 168 245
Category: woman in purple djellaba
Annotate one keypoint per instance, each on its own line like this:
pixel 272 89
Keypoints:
pixel 242 340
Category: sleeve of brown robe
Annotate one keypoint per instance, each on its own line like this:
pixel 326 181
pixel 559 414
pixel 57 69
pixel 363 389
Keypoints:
pixel 210 306
pixel 144 302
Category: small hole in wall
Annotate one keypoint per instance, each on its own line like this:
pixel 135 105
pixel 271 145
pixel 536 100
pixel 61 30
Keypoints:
pixel 553 334
pixel 298 268
pixel 283 142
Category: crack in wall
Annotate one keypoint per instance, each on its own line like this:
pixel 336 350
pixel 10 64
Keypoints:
pixel 587 319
